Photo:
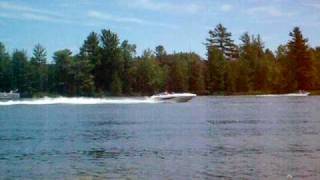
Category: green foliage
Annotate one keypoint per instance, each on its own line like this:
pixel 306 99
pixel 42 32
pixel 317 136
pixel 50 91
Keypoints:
pixel 160 52
pixel 300 55
pixel 82 77
pixel 38 70
pixel 63 72
pixel 217 70
pixel 111 61
pixel 196 80
pixel 128 52
pixel 105 65
pixel 20 72
pixel 39 55
pixel 178 74
pixel 5 70
pixel 148 76
pixel 116 85
pixel 220 39
pixel 91 51
pixel 184 72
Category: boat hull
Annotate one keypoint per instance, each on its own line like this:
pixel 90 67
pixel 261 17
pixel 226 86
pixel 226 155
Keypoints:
pixel 9 96
pixel 180 98
pixel 174 99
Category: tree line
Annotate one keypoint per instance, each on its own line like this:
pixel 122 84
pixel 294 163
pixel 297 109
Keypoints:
pixel 107 66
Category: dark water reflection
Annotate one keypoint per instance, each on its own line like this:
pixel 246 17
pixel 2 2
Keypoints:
pixel 208 138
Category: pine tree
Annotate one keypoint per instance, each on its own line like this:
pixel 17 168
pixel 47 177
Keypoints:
pixel 252 54
pixel 220 39
pixel 160 52
pixel 216 70
pixel 315 54
pixel 39 55
pixel 91 51
pixel 128 53
pixel 63 72
pixel 5 70
pixel 39 70
pixel 111 60
pixel 116 85
pixel 300 56
pixel 287 81
pixel 83 79
pixel 196 81
pixel 19 71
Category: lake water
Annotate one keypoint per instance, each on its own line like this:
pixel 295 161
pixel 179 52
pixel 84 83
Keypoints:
pixel 206 138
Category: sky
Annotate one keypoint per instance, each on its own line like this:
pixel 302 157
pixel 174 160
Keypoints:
pixel 178 25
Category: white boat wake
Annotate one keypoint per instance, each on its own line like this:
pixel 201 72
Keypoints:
pixel 77 100
pixel 285 95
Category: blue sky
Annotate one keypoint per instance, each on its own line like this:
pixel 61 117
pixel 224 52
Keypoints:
pixel 179 25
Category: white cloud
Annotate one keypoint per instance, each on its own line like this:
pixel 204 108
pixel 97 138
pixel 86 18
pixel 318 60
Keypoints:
pixel 313 4
pixel 104 16
pixel 38 17
pixel 22 8
pixel 33 17
pixel 268 11
pixel 165 6
pixel 226 7
pixel 22 12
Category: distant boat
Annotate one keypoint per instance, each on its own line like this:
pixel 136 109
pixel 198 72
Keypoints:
pixel 298 94
pixel 9 96
pixel 173 97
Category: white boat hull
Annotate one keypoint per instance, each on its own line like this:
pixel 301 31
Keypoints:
pixel 9 96
pixel 182 97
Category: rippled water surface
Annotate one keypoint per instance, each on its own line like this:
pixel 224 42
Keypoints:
pixel 207 138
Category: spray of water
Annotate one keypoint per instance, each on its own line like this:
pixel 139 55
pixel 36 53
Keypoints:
pixel 77 100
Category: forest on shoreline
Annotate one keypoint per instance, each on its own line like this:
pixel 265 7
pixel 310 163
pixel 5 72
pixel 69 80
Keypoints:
pixel 106 66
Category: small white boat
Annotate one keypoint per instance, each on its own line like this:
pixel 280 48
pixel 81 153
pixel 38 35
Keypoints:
pixel 9 96
pixel 298 94
pixel 173 97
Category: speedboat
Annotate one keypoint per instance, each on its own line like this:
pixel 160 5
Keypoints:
pixel 173 97
pixel 9 96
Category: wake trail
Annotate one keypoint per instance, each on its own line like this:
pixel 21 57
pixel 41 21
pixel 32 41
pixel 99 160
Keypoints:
pixel 77 100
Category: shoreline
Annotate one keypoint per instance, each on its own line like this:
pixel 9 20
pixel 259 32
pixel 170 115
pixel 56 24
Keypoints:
pixel 312 93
